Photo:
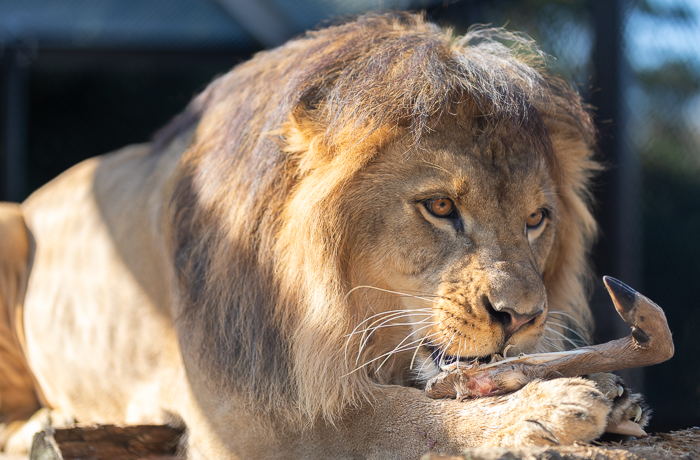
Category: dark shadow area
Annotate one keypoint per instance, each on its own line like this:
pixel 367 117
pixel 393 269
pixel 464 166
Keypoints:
pixel 82 106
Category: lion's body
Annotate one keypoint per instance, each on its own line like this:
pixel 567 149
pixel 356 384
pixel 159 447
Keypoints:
pixel 133 290
pixel 208 279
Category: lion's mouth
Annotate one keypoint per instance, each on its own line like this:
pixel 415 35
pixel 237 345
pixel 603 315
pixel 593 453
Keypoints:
pixel 441 358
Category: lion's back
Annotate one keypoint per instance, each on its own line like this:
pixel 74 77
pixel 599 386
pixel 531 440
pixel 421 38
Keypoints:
pixel 98 291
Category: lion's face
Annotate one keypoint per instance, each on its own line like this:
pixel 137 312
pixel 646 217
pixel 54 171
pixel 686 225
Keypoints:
pixel 460 225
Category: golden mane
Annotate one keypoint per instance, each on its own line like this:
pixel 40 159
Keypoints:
pixel 259 217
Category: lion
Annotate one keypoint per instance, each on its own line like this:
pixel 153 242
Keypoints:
pixel 286 264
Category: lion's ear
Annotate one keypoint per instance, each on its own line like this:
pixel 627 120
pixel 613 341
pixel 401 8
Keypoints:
pixel 304 136
pixel 316 138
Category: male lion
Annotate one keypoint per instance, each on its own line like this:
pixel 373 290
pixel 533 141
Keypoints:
pixel 289 261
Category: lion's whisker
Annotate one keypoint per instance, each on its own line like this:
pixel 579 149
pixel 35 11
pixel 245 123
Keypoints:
pixel 546 335
pixel 560 321
pixel 396 311
pixel 391 313
pixel 552 329
pixel 547 345
pixel 364 344
pixel 413 358
pixel 402 294
pixel 395 350
pixel 562 315
pixel 425 361
pixel 411 293
pixel 459 348
pixel 422 293
pixel 408 346
pixel 571 330
pixel 365 337
pixel 425 311
pixel 386 322
pixel 574 320
pixel 379 326
pixel 384 318
pixel 563 338
pixel 560 312
pixel 443 351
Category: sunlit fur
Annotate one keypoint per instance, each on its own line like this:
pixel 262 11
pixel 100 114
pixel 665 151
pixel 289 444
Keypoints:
pixel 264 242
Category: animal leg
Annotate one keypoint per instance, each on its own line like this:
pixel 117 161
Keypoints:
pixel 18 395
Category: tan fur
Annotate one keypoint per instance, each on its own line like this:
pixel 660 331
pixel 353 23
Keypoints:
pixel 267 272
pixel 18 398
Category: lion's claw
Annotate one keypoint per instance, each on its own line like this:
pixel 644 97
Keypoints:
pixel 637 413
pixel 626 406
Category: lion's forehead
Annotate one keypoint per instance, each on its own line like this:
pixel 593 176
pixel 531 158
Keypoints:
pixel 484 172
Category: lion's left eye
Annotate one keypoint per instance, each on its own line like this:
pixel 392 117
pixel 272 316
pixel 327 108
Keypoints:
pixel 535 219
pixel 441 207
pixel 535 224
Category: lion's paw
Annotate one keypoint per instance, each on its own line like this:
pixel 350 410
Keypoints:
pixel 556 412
pixel 625 404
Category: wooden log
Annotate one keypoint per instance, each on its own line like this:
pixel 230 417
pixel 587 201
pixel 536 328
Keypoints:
pixel 107 442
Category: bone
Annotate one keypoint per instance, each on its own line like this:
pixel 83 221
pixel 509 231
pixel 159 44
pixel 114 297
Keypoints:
pixel 649 343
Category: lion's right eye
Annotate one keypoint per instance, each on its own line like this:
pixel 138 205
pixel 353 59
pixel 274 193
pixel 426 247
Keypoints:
pixel 441 207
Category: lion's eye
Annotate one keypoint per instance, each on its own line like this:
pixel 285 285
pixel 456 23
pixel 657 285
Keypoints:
pixel 535 219
pixel 441 207
pixel 535 224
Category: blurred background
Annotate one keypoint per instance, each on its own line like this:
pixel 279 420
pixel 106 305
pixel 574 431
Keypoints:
pixel 82 77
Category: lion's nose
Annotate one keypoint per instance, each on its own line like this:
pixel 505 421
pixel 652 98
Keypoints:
pixel 511 320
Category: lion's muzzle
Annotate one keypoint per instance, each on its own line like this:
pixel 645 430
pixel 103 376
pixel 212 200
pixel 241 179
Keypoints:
pixel 515 296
